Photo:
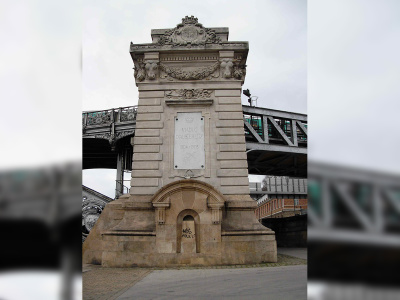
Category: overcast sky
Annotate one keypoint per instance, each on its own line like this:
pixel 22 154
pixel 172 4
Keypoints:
pixel 276 31
pixel 354 83
pixel 352 70
pixel 276 64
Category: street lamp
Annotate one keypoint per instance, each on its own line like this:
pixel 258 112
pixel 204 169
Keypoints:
pixel 247 93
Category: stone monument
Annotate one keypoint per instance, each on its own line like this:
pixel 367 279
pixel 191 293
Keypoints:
pixel 189 200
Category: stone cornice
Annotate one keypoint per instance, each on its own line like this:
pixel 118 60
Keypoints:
pixel 137 49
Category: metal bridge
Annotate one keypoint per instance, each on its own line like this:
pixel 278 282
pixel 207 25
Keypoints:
pixel 353 206
pixel 276 141
pixel 353 225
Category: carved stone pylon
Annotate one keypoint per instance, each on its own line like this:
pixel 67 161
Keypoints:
pixel 189 163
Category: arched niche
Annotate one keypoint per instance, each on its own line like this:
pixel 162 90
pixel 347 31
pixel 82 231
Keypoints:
pixel 161 200
pixel 188 216
pixel 172 207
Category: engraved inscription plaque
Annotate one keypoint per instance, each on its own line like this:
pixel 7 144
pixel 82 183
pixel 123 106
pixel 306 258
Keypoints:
pixel 189 141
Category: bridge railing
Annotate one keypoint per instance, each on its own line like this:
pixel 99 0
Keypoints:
pixel 109 116
pixel 268 126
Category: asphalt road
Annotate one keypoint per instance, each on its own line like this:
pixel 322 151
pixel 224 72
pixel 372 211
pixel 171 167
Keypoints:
pixel 288 282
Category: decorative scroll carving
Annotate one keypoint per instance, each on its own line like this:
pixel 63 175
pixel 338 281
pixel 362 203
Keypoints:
pixel 239 71
pixel 128 114
pixel 196 74
pixel 98 118
pixel 189 33
pixel 183 94
pixel 120 135
pixel 112 138
pixel 107 136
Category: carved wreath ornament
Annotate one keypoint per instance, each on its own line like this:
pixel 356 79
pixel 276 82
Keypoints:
pixel 189 33
pixel 182 74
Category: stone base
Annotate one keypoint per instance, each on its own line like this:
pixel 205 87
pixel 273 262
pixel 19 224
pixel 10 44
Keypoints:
pixel 138 251
pixel 186 223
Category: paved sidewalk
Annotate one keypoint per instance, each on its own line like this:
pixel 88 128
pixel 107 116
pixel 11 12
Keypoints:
pixel 108 283
pixel 285 279
pixel 295 252
pixel 248 283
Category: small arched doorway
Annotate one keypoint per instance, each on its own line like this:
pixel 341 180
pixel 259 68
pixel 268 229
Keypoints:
pixel 188 232
pixel 188 235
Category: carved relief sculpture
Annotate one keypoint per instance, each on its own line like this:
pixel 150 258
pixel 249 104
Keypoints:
pixel 146 70
pixel 226 67
pixel 239 71
pixel 140 73
pixel 183 94
pixel 190 74
pixel 189 33
pixel 151 69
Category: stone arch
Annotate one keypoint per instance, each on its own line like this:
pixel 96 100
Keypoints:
pixel 187 198
pixel 162 195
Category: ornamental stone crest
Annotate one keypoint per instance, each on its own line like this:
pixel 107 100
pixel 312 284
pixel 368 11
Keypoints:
pixel 189 33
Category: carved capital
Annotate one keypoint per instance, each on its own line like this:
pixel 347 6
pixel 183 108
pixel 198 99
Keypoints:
pixel 160 211
pixel 215 207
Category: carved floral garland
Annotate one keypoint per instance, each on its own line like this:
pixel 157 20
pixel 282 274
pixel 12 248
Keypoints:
pixel 181 74
pixel 183 94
